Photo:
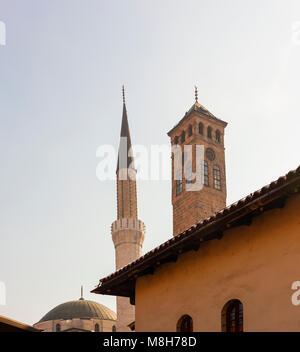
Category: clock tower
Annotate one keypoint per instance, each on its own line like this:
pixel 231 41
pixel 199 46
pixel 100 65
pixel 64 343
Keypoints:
pixel 200 129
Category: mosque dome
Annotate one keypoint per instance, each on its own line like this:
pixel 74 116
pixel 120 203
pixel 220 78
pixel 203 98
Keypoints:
pixel 81 308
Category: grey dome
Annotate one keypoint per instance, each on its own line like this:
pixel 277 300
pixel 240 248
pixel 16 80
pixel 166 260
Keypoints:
pixel 80 309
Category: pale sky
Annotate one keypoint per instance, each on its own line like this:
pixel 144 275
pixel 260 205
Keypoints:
pixel 61 73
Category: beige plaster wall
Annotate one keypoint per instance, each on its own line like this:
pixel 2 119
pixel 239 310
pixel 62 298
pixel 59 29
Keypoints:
pixel 256 264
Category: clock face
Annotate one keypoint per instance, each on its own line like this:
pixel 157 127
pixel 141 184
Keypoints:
pixel 210 154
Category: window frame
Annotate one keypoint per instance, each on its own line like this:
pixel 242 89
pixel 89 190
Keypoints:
pixel 205 173
pixel 233 316
pixel 217 178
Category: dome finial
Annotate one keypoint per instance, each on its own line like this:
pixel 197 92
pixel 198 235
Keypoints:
pixel 81 298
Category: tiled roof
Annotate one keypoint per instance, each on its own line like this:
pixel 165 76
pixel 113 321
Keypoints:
pixel 196 107
pixel 238 213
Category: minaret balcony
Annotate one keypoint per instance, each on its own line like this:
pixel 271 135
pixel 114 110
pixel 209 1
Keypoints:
pixel 128 224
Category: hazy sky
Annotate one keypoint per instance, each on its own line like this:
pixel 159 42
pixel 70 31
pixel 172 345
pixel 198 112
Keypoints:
pixel 61 73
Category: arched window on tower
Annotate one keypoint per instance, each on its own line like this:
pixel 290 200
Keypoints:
pixel 217 177
pixel 190 130
pixel 205 173
pixel 176 140
pixel 96 327
pixel 113 329
pixel 185 324
pixel 218 136
pixel 200 128
pixel 182 136
pixel 232 316
pixel 58 328
pixel 209 132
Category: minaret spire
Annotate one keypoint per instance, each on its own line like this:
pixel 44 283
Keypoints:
pixel 125 157
pixel 127 231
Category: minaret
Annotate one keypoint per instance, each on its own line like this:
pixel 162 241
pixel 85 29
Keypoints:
pixel 127 231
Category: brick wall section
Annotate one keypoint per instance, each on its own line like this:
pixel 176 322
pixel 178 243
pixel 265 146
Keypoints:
pixel 190 207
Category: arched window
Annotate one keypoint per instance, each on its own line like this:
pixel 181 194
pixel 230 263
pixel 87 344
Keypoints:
pixel 205 173
pixel 217 177
pixel 185 324
pixel 58 328
pixel 190 130
pixel 96 327
pixel 182 136
pixel 218 136
pixel 232 316
pixel 200 127
pixel 176 140
pixel 113 329
pixel 209 132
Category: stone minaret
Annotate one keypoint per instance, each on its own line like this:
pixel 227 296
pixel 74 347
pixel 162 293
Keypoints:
pixel 127 231
pixel 198 127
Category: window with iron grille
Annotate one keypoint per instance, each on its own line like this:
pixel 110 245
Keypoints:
pixel 233 316
pixel 217 177
pixel 205 173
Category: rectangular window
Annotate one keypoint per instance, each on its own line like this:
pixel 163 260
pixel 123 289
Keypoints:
pixel 205 174
pixel 217 178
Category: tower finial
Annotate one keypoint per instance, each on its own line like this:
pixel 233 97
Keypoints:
pixel 81 298
pixel 196 94
pixel 123 94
